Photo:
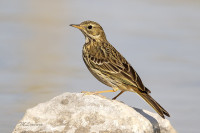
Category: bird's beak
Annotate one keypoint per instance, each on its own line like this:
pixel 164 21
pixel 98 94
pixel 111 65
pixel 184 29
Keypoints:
pixel 76 26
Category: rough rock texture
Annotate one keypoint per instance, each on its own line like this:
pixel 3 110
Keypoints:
pixel 79 113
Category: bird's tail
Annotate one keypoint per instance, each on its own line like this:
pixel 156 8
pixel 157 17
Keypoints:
pixel 159 109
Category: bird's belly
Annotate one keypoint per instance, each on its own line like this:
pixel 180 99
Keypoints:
pixel 111 81
pixel 104 78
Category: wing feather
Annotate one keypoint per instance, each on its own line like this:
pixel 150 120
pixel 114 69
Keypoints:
pixel 109 60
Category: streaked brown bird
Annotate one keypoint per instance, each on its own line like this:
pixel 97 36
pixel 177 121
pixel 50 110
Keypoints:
pixel 110 67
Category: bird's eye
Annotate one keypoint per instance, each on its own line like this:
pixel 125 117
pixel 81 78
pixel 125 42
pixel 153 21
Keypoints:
pixel 90 27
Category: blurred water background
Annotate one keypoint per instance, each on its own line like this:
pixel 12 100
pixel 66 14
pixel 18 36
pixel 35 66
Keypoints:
pixel 40 54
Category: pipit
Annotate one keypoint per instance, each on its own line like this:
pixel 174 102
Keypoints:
pixel 110 67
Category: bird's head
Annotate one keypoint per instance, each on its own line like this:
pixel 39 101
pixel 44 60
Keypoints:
pixel 91 30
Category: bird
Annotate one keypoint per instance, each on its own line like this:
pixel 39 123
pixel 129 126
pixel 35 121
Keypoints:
pixel 108 66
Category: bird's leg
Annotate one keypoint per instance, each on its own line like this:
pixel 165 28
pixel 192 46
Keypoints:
pixel 99 92
pixel 118 95
pixel 113 90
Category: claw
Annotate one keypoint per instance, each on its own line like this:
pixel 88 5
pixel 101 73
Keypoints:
pixel 89 93
pixel 92 93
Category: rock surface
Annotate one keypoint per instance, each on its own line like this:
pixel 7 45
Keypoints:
pixel 79 113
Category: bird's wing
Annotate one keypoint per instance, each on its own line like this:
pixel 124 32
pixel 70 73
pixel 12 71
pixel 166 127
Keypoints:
pixel 109 60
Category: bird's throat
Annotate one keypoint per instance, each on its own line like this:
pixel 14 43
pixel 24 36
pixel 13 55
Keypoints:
pixel 86 39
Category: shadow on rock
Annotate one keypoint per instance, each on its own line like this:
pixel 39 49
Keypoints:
pixel 153 121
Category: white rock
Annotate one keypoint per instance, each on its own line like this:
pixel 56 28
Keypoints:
pixel 79 113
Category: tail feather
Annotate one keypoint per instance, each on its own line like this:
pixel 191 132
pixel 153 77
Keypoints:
pixel 159 109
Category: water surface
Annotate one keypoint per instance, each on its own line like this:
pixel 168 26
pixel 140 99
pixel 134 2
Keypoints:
pixel 40 55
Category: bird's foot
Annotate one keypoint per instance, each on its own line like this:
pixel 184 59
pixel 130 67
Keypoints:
pixel 92 93
pixel 89 93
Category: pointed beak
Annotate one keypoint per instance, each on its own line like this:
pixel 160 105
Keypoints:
pixel 76 26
